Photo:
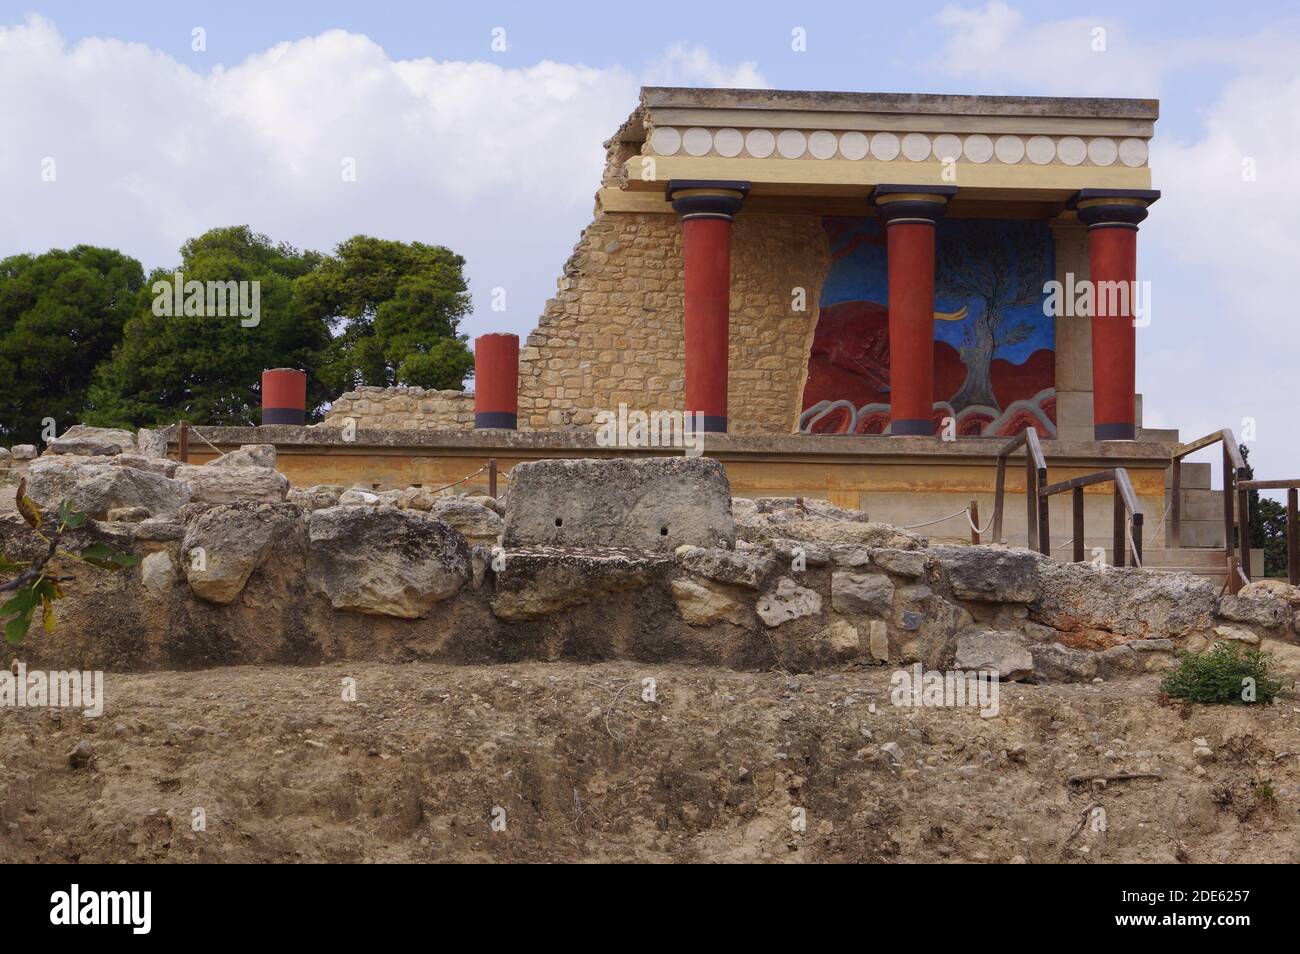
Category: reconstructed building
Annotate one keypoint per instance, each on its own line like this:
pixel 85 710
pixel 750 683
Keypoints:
pixel 859 297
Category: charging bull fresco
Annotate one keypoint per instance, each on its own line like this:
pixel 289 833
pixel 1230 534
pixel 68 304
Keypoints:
pixel 994 348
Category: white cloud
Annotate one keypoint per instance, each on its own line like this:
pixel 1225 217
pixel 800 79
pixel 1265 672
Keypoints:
pixel 500 164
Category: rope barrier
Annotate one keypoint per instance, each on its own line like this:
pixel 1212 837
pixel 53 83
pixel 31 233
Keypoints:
pixel 194 430
pixel 930 523
pixel 461 481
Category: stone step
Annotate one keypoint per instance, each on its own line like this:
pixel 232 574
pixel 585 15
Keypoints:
pixel 1183 557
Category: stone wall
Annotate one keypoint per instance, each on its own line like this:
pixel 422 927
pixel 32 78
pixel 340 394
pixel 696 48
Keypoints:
pixel 237 569
pixel 613 333
pixel 404 409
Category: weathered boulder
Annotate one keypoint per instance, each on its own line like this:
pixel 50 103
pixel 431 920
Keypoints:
pixel 991 574
pixel 248 455
pixel 159 465
pixel 84 441
pixel 316 497
pixel 158 529
pixel 128 515
pixel 1003 651
pixel 703 604
pixel 6 459
pixel 539 581
pixel 384 561
pixel 1096 606
pixel 1138 655
pixel 908 563
pixel 23 452
pixel 1236 634
pixel 801 508
pixel 95 486
pixel 789 601
pixel 226 543
pixel 1056 663
pixel 1262 609
pixel 870 594
pixel 149 443
pixel 747 568
pixel 843 638
pixel 645 504
pixel 234 484
pixel 785 524
pixel 476 522
pixel 792 552
pixel 1278 589
pixel 158 574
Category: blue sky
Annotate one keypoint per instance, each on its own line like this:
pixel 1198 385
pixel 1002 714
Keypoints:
pixel 497 154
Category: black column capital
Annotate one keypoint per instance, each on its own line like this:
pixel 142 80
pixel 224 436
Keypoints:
pixel 707 198
pixel 911 203
pixel 1112 208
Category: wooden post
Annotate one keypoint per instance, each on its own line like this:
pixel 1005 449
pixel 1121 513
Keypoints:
pixel 1292 539
pixel 975 521
pixel 1044 517
pixel 1243 530
pixel 184 442
pixel 1176 507
pixel 1078 524
pixel 1031 500
pixel 1117 541
pixel 492 477
pixel 999 495
pixel 1229 549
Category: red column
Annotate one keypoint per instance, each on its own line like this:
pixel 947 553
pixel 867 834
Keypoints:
pixel 1112 217
pixel 284 396
pixel 707 209
pixel 910 213
pixel 496 381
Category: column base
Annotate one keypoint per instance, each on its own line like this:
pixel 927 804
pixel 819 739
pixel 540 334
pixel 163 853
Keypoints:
pixel 497 419
pixel 1114 432
pixel 919 427
pixel 709 423
pixel 283 415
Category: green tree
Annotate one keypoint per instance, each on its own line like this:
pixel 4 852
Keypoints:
pixel 205 368
pixel 394 308
pixel 61 313
pixel 1267 525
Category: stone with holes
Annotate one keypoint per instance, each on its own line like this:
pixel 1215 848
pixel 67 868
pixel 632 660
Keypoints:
pixel 644 504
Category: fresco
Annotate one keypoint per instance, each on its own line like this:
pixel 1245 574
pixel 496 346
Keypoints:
pixel 994 348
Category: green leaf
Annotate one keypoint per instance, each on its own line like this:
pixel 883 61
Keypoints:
pixel 16 628
pixel 22 602
pixel 9 566
pixel 106 558
pixel 47 615
pixel 72 519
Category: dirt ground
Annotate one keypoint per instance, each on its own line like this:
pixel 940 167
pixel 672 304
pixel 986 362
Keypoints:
pixel 568 762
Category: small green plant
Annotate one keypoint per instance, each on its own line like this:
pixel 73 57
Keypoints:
pixel 33 587
pixel 1226 674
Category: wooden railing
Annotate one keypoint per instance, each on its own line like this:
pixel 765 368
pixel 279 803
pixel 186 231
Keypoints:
pixel 1128 515
pixel 1234 475
pixel 1292 532
pixel 1035 477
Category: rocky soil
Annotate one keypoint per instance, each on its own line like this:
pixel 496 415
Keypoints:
pixel 416 768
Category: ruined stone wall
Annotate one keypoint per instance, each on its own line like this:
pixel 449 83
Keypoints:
pixel 613 333
pixel 404 409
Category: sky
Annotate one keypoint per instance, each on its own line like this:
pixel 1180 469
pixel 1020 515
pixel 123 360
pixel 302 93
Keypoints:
pixel 479 126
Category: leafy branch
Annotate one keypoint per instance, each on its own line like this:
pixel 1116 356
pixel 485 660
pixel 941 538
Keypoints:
pixel 33 587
